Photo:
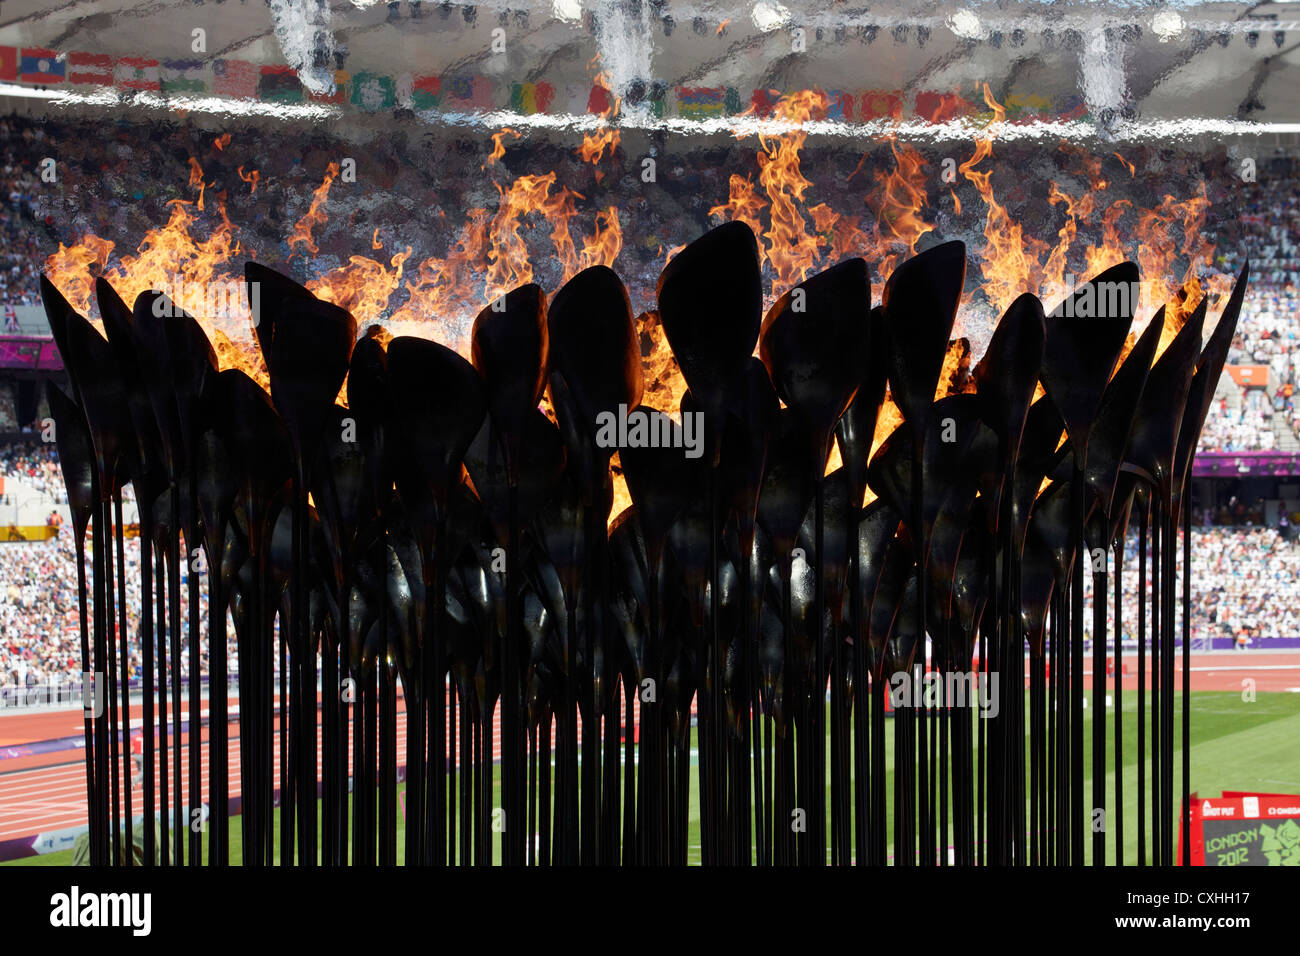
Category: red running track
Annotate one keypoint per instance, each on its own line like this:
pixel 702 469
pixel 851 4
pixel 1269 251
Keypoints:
pixel 47 792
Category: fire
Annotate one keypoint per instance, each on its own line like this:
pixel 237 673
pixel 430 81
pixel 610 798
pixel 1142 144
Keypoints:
pixel 1009 259
pixel 791 250
pixel 493 249
pixel 498 145
pixel 251 178
pixel 241 355
pixel 1111 251
pixel 897 199
pixel 841 234
pixel 603 246
pixel 316 215
pixel 508 261
pixel 664 383
pixel 954 378
pixel 363 286
pixel 743 204
pixel 443 287
pixel 594 145
pixel 622 497
pixel 72 269
pixel 1158 254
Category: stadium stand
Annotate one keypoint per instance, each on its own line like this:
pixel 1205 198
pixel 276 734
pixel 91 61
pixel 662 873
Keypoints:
pixel 1246 573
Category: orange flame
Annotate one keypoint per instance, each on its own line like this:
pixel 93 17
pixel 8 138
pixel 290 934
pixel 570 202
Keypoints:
pixel 316 215
pixel 897 199
pixel 594 145
pixel 791 250
pixel 498 145
pixel 363 286
pixel 252 179
pixel 743 204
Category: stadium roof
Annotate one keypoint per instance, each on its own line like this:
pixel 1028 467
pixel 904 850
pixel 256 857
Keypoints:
pixel 1233 63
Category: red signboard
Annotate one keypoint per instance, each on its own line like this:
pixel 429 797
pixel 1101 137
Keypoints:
pixel 1248 376
pixel 1244 829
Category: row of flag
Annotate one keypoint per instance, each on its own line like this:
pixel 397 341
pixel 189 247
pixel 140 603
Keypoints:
pixel 374 92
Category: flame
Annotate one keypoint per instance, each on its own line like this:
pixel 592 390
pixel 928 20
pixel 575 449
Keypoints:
pixel 316 215
pixel 622 497
pixel 222 141
pixel 1111 252
pixel 886 422
pixel 508 261
pixel 1008 260
pixel 743 203
pixel 594 145
pixel 363 286
pixel 72 269
pixel 603 246
pixel 492 250
pixel 791 250
pixel 1158 254
pixel 955 377
pixel 244 356
pixel 664 383
pixel 498 145
pixel 442 287
pixel 252 179
pixel 897 199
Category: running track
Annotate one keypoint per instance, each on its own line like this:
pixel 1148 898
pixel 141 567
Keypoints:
pixel 47 792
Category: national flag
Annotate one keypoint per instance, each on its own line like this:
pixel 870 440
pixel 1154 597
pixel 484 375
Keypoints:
pixel 8 63
pixel 237 78
pixel 469 91
pixel 1025 107
pixel 600 101
pixel 701 102
pixel 1072 107
pixel 764 102
pixel 136 73
pixel 934 107
pixel 11 319
pixel 342 78
pixel 839 106
pixel 425 93
pixel 879 104
pixel 530 98
pixel 279 84
pixel 41 66
pixel 372 92
pixel 95 69
pixel 183 76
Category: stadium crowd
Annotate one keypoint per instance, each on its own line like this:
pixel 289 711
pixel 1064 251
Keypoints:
pixel 40 637
pixel 36 465
pixel 21 249
pixel 1245 584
